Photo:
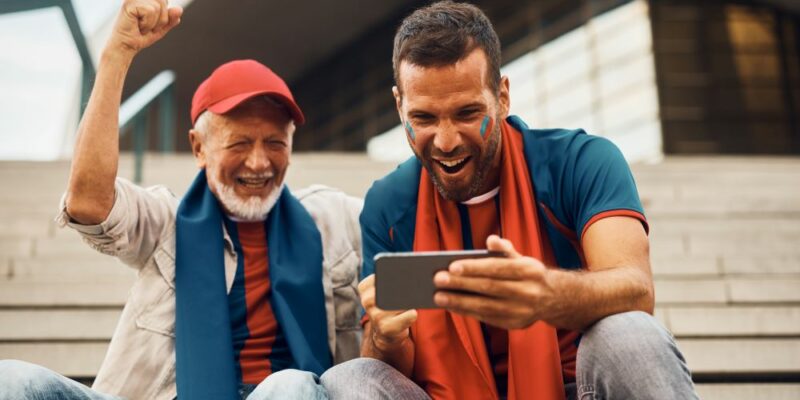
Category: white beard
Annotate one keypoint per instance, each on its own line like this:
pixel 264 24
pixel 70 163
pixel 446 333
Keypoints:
pixel 252 209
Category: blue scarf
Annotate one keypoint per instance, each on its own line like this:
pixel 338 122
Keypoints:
pixel 203 343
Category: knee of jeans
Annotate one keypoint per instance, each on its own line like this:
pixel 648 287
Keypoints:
pixel 287 383
pixel 625 337
pixel 293 377
pixel 18 375
pixel 352 371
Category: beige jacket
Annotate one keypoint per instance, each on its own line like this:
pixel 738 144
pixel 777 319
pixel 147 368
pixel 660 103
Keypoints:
pixel 140 231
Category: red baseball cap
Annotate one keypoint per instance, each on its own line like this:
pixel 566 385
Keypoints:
pixel 234 82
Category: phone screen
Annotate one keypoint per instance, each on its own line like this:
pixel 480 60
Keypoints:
pixel 404 281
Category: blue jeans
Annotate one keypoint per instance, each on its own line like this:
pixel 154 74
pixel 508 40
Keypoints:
pixel 631 356
pixel 622 356
pixel 367 376
pixel 20 380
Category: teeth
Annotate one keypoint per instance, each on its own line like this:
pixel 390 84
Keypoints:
pixel 451 164
pixel 254 181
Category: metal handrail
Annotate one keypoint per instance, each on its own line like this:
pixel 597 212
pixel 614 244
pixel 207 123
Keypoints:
pixel 134 112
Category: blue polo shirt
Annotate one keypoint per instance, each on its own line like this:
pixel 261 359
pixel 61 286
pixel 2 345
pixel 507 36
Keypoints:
pixel 577 178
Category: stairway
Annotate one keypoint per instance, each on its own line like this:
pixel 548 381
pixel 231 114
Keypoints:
pixel 725 247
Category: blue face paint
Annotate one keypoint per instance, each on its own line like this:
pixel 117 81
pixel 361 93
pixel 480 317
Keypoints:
pixel 484 125
pixel 410 131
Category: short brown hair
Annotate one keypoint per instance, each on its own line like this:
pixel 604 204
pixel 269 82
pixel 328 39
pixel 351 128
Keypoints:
pixel 444 33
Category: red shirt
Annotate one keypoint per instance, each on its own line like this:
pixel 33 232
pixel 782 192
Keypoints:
pixel 255 343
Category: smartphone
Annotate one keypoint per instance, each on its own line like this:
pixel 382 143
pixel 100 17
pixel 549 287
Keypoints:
pixel 404 281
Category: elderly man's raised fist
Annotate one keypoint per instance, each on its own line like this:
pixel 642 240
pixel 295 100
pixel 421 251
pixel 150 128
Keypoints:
pixel 141 23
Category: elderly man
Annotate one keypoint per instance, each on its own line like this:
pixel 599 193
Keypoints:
pixel 569 306
pixel 244 288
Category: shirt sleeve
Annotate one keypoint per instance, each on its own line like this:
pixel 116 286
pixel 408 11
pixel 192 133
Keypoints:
pixel 601 185
pixel 342 208
pixel 375 233
pixel 138 220
pixel 354 205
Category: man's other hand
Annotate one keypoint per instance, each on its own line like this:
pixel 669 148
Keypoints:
pixel 389 329
pixel 511 292
pixel 141 23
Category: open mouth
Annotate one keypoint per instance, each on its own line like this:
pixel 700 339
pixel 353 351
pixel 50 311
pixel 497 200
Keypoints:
pixel 253 182
pixel 453 166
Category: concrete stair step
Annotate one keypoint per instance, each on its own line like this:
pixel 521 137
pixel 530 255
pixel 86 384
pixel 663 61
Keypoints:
pixel 726 163
pixel 775 264
pixel 664 208
pixel 704 167
pixel 83 288
pixel 767 290
pixel 749 391
pixel 58 324
pixel 704 356
pixel 699 291
pixel 23 293
pixel 70 250
pixel 745 243
pixel 679 226
pixel 688 184
pixel 727 356
pixel 103 268
pixel 73 359
pixel 18 247
pixel 732 321
pixel 98 323
pixel 783 289
pixel 25 229
pixel 731 266
pixel 693 190
pixel 684 265
pixel 64 246
pixel 728 265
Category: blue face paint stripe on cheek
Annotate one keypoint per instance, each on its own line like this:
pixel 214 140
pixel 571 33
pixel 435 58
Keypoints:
pixel 410 131
pixel 484 125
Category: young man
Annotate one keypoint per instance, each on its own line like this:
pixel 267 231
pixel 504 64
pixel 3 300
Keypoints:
pixel 245 289
pixel 572 300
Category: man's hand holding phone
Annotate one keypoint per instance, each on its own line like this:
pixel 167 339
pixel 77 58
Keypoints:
pixel 510 292
pixel 497 286
pixel 389 329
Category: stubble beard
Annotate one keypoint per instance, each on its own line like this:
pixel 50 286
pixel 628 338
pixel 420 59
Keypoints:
pixel 478 180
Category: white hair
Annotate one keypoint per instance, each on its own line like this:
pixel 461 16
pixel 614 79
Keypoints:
pixel 203 123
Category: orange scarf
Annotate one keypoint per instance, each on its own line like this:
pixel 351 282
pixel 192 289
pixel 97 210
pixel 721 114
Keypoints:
pixel 451 361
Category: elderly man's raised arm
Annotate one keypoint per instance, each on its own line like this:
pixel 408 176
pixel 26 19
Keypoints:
pixel 90 194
